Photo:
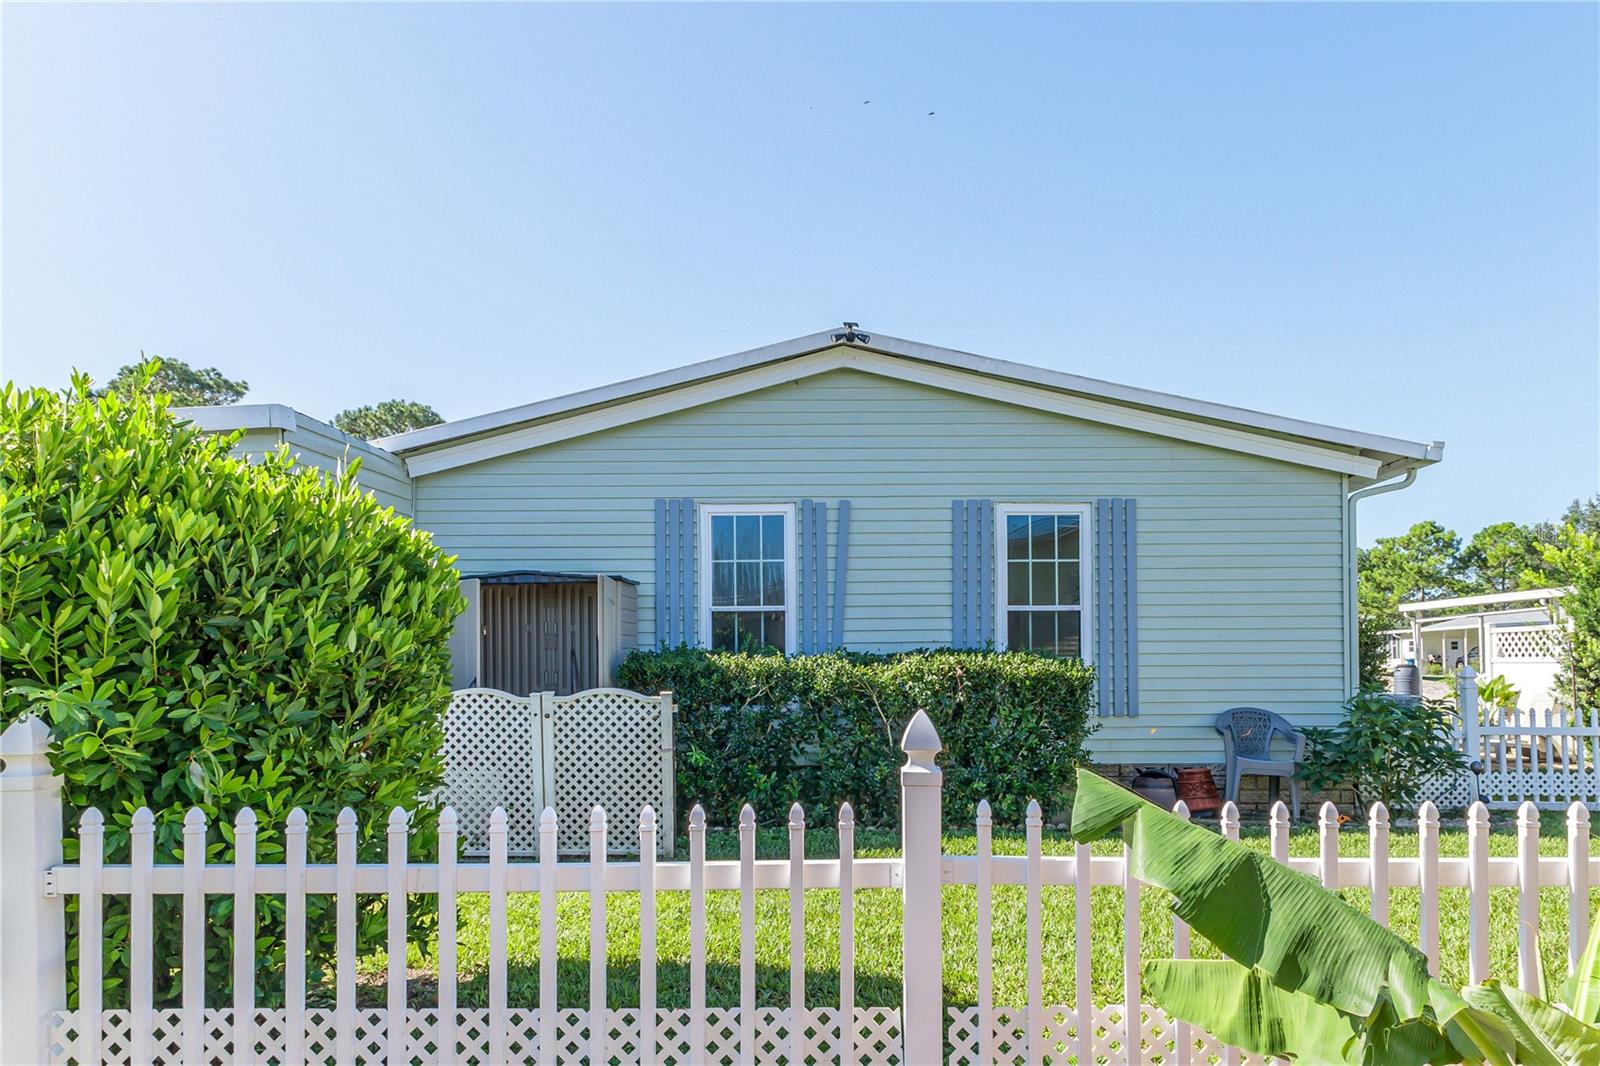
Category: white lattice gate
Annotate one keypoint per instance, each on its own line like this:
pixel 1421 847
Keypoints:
pixel 605 747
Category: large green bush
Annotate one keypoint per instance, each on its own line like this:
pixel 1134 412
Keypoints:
pixel 1387 749
pixel 821 729
pixel 202 631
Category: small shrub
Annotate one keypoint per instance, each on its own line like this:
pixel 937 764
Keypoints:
pixel 1387 749
pixel 202 631
pixel 822 729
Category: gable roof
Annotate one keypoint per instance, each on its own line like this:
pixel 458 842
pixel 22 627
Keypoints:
pixel 1366 457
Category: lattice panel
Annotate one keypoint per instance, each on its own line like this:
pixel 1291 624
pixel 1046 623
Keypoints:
pixel 493 758
pixel 877 1037
pixel 612 749
pixel 1158 1044
pixel 1451 791
pixel 1526 644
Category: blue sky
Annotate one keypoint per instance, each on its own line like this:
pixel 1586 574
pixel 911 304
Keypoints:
pixel 1375 216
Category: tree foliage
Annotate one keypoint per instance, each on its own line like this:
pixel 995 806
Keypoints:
pixel 183 385
pixel 1420 564
pixel 1503 557
pixel 202 631
pixel 386 419
pixel 1574 559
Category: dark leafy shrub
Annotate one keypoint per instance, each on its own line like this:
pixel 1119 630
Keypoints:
pixel 1387 749
pixel 201 631
pixel 822 729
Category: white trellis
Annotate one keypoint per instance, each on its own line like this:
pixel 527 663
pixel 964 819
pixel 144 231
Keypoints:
pixel 604 747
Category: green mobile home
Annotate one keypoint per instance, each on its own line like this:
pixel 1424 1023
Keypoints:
pixel 855 490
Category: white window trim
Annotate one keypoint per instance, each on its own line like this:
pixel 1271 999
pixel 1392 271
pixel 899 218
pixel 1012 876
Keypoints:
pixel 791 568
pixel 1086 549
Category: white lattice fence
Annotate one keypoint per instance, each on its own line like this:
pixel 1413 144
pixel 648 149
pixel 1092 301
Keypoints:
pixel 1548 756
pixel 1160 1044
pixel 1540 643
pixel 494 756
pixel 612 749
pixel 603 747
pixel 877 1037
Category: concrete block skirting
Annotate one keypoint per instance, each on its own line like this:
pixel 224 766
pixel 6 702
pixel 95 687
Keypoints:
pixel 1253 791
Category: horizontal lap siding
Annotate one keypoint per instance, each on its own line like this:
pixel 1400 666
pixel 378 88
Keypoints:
pixel 1240 579
pixel 318 444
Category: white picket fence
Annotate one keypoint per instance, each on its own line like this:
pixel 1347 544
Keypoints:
pixel 36 1026
pixel 1547 756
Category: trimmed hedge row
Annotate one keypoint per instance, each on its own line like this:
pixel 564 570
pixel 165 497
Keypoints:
pixel 821 729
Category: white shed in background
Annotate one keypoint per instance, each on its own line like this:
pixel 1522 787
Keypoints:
pixel 1515 635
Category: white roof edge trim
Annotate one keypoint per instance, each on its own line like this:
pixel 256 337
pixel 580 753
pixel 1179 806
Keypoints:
pixel 839 357
pixel 222 419
pixel 1523 596
pixel 949 357
pixel 664 379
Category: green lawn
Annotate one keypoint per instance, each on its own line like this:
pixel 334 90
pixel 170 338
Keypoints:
pixel 877 928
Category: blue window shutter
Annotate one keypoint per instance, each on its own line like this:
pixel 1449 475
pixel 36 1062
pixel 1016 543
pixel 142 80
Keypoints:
pixel 810 582
pixel 688 622
pixel 958 572
pixel 663 628
pixel 972 608
pixel 1130 529
pixel 1116 607
pixel 675 593
pixel 841 562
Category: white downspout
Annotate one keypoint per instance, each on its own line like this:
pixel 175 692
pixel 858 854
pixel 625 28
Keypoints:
pixel 1352 642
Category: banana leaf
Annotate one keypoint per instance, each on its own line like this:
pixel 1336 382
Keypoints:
pixel 1582 990
pixel 1545 1034
pixel 1244 1009
pixel 1265 916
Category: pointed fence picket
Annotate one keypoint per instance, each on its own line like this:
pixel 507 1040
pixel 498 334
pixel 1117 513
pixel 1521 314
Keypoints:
pixel 800 1028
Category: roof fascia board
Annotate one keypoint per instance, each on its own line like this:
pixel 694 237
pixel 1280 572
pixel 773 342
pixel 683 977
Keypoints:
pixel 603 418
pixel 928 353
pixel 604 394
pixel 223 419
pixel 1523 596
pixel 1164 401
pixel 981 384
pixel 840 357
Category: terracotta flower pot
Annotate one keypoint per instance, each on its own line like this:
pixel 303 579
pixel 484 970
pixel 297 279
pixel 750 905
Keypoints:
pixel 1198 789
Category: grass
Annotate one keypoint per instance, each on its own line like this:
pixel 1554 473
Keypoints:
pixel 878 928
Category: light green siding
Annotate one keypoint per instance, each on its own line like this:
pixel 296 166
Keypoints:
pixel 318 444
pixel 1240 579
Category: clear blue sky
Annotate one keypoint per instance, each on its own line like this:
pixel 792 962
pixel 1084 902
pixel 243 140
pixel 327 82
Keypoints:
pixel 1376 216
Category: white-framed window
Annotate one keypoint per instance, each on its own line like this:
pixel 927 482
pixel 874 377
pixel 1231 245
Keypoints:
pixel 747 576
pixel 1042 580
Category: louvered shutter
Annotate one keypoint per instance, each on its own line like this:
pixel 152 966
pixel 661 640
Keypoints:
pixel 820 617
pixel 1116 606
pixel 972 573
pixel 675 585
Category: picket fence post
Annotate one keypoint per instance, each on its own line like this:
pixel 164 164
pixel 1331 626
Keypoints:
pixel 921 822
pixel 1467 706
pixel 33 944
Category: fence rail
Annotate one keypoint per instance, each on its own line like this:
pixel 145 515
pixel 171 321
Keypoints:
pixel 35 1024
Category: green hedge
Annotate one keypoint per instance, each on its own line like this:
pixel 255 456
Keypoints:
pixel 202 631
pixel 821 729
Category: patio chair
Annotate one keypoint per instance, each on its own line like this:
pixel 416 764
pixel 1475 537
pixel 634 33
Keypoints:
pixel 1247 734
